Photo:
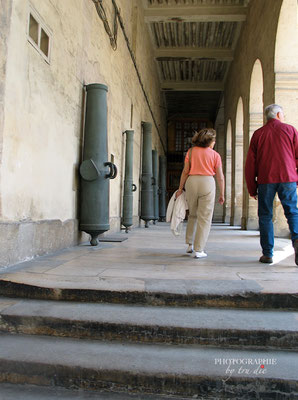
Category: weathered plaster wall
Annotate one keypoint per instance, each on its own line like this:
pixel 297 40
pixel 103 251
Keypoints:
pixel 5 19
pixel 42 135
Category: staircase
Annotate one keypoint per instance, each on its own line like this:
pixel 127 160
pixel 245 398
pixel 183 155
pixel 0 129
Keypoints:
pixel 120 345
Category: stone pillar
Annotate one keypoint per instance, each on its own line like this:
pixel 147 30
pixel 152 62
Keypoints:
pixel 228 177
pixel 286 95
pixel 228 171
pixel 218 215
pixel 251 212
pixel 237 198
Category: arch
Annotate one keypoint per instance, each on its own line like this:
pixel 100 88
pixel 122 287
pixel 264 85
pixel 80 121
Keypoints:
pixel 286 60
pixel 238 190
pixel 286 44
pixel 256 120
pixel 228 172
pixel 256 98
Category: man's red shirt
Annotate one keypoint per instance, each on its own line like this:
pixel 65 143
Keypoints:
pixel 272 156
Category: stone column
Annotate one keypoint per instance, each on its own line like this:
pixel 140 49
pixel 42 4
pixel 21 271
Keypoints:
pixel 286 95
pixel 228 177
pixel 252 221
pixel 218 215
pixel 228 171
pixel 238 193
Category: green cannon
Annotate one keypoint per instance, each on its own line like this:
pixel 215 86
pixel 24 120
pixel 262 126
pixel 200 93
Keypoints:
pixel 129 186
pixel 162 187
pixel 95 170
pixel 146 179
pixel 155 185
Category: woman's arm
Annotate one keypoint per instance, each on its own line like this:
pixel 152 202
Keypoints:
pixel 183 178
pixel 221 183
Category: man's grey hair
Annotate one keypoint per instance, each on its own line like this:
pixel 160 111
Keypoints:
pixel 272 110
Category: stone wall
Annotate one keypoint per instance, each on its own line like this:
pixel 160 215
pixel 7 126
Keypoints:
pixel 43 109
pixel 5 17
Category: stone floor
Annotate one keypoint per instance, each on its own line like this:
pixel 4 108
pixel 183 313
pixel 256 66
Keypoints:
pixel 31 392
pixel 154 259
pixel 141 316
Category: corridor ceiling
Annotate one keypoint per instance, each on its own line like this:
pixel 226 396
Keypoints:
pixel 194 43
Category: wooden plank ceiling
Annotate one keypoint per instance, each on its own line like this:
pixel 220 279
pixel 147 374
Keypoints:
pixel 194 43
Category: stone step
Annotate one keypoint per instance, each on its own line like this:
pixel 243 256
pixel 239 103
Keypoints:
pixel 172 325
pixel 204 293
pixel 141 368
pixel 32 392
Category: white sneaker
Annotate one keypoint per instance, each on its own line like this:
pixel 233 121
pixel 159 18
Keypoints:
pixel 200 254
pixel 189 249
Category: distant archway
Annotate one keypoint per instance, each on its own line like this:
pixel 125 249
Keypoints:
pixel 238 192
pixel 228 172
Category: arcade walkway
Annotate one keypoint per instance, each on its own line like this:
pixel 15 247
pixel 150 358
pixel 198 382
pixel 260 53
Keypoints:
pixel 154 261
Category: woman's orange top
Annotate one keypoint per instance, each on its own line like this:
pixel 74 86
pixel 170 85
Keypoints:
pixel 204 161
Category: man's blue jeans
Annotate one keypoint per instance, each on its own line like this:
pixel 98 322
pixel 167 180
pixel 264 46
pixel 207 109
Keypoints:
pixel 288 197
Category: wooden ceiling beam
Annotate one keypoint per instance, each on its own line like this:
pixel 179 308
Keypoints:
pixel 195 14
pixel 194 53
pixel 192 86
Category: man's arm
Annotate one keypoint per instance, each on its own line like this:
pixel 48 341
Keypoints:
pixel 296 146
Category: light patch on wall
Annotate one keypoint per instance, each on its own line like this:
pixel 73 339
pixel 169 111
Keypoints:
pixel 131 116
pixel 75 179
pixel 39 35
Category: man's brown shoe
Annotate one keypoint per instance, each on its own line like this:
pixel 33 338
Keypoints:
pixel 296 251
pixel 269 260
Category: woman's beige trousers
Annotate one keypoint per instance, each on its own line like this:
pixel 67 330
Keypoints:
pixel 200 195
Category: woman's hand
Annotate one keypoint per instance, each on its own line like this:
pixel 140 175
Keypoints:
pixel 221 200
pixel 178 193
pixel 221 183
pixel 184 176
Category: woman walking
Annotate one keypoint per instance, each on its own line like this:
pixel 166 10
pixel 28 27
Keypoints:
pixel 201 164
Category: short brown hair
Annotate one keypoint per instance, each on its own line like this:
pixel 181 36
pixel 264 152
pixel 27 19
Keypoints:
pixel 204 137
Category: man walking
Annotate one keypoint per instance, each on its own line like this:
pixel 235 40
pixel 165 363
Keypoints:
pixel 271 167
